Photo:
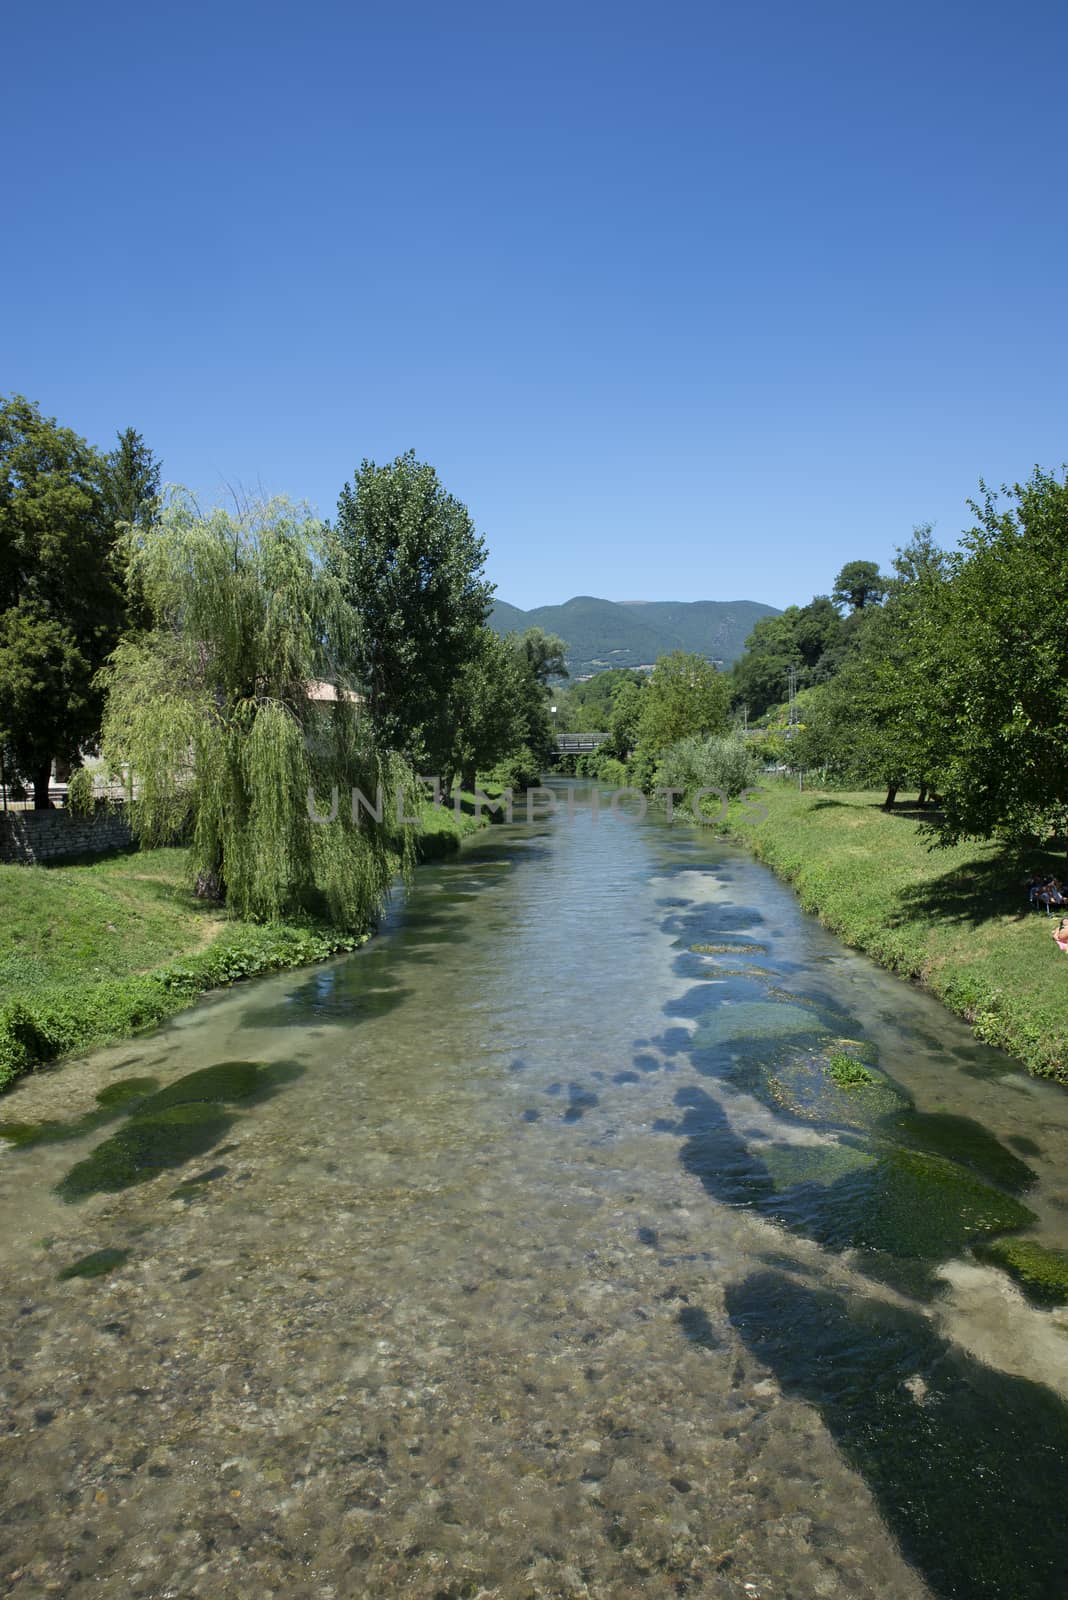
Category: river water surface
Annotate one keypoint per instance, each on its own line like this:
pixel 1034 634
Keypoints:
pixel 533 1251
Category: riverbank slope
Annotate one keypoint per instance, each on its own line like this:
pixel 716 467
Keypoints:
pixel 97 951
pixel 955 920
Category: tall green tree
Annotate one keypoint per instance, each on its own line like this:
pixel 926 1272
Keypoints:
pixel 685 696
pixel 412 565
pixel 543 654
pixel 61 596
pixel 540 658
pixel 875 722
pixel 492 702
pixel 132 480
pixel 215 717
pixel 997 649
pixel 859 584
pixel 624 720
pixel 808 638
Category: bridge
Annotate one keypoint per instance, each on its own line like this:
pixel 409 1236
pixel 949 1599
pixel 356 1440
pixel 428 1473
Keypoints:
pixel 573 744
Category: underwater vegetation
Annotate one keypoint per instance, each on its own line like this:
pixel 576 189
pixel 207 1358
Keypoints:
pixel 95 1265
pixel 847 1071
pixel 730 948
pixel 172 1126
pixel 907 1189
pixel 110 1104
pixel 163 1128
pixel 969 1466
pixel 1042 1273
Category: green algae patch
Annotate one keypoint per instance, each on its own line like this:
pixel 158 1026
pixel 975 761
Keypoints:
pixel 227 1081
pixel 110 1103
pixel 180 1122
pixel 968 1468
pixel 729 948
pixel 751 970
pixel 748 1020
pixel 21 1134
pixel 95 1265
pixel 1041 1272
pixel 805 1085
pixel 910 1205
pixel 119 1095
pixel 964 1141
pixel 789 1165
pixel 145 1147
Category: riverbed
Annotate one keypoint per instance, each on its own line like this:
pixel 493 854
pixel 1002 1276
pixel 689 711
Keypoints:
pixel 535 1251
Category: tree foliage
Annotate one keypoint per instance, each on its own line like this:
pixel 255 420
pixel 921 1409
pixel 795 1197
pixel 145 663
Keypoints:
pixel 491 699
pixel 412 566
pixel 813 639
pixel 859 584
pixel 996 647
pixel 685 696
pixel 61 597
pixel 211 713
pixel 132 481
pixel 728 763
pixel 872 723
pixel 543 654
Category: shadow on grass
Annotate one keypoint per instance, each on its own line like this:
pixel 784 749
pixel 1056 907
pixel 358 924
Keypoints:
pixel 972 893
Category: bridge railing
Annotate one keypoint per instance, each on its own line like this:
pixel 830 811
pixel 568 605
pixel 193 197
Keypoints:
pixel 578 743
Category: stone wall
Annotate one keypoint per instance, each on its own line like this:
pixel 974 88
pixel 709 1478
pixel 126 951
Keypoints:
pixel 38 836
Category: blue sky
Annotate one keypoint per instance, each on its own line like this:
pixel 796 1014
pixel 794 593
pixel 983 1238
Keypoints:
pixel 685 301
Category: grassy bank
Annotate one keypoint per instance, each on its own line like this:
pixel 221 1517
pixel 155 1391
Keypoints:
pixel 95 952
pixel 956 920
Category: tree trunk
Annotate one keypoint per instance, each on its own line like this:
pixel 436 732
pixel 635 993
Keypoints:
pixel 41 780
pixel 922 799
pixel 211 885
pixel 468 780
pixel 891 796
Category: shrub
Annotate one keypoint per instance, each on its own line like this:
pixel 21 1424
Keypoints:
pixel 518 772
pixel 728 764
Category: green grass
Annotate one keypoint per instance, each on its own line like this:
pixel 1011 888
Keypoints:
pixel 95 952
pixel 107 919
pixel 955 920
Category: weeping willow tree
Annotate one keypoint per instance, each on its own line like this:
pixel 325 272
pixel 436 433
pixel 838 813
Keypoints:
pixel 217 716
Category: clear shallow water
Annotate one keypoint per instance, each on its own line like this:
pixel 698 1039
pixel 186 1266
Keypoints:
pixel 533 1253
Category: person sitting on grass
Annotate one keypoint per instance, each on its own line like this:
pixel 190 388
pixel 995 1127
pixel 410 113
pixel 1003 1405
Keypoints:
pixel 1060 935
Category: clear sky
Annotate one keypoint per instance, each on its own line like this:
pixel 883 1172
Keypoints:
pixel 686 301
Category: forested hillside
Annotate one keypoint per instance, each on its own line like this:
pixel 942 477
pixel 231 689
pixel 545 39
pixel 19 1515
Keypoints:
pixel 611 633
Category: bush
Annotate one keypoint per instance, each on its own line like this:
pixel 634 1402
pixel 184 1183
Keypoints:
pixel 611 771
pixel 80 791
pixel 729 764
pixel 518 772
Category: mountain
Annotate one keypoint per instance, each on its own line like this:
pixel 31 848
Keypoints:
pixel 613 633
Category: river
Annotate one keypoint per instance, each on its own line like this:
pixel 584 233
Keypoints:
pixel 533 1252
